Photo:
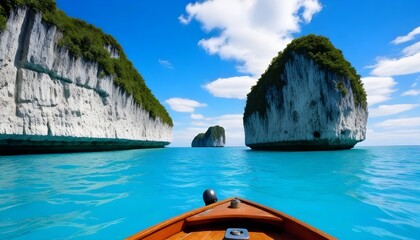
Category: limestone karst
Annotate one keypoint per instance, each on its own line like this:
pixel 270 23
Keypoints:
pixel 309 98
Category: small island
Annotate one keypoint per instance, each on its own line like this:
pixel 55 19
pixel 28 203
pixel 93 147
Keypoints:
pixel 213 137
pixel 309 98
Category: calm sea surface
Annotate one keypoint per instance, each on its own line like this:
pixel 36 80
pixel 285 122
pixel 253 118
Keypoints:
pixel 364 193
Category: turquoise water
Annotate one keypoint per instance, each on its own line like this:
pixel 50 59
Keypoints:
pixel 364 193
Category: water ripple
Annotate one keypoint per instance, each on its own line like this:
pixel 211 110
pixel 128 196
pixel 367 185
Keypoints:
pixel 365 193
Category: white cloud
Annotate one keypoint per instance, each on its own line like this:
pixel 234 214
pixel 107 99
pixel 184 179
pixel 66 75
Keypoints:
pixel 398 66
pixel 166 63
pixel 184 105
pixel 387 110
pixel 412 49
pixel 408 37
pixel 408 63
pixel 412 92
pixel 250 32
pixel 378 89
pixel 226 121
pixel 197 116
pixel 230 121
pixel 400 123
pixel 380 138
pixel 203 123
pixel 184 20
pixel 234 87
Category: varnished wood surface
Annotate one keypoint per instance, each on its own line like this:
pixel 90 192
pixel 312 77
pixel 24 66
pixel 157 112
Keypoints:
pixel 211 222
pixel 219 235
pixel 223 211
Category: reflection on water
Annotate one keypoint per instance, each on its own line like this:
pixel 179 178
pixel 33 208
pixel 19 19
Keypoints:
pixel 391 184
pixel 365 193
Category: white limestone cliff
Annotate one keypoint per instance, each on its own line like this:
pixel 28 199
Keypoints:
pixel 308 112
pixel 48 96
pixel 213 137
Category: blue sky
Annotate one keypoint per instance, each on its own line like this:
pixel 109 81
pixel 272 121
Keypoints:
pixel 201 58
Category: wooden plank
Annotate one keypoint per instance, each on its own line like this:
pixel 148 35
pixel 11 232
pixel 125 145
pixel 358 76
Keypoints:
pixel 179 236
pixel 225 213
pixel 244 211
pixel 269 236
pixel 208 235
pixel 198 235
pixel 217 234
pixel 259 236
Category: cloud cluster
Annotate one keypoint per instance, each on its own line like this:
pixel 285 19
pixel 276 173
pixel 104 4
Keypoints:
pixel 387 110
pixel 400 123
pixel 250 32
pixel 234 87
pixel 404 136
pixel 410 36
pixel 378 89
pixel 184 104
pixel 411 92
pixel 407 63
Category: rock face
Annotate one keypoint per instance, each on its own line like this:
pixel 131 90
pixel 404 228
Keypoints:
pixel 306 102
pixel 214 137
pixel 52 101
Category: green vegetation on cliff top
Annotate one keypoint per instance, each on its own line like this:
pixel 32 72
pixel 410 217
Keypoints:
pixel 321 50
pixel 85 40
pixel 213 133
pixel 216 132
pixel 199 137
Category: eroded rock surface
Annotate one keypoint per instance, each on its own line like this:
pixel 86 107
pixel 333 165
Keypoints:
pixel 300 104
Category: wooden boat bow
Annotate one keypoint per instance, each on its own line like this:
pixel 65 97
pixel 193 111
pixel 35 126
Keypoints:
pixel 211 222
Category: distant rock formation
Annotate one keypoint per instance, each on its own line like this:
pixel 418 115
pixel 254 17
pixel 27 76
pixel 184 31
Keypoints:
pixel 310 98
pixel 51 100
pixel 214 137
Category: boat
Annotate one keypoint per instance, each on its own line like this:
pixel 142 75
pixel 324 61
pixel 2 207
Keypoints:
pixel 232 219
